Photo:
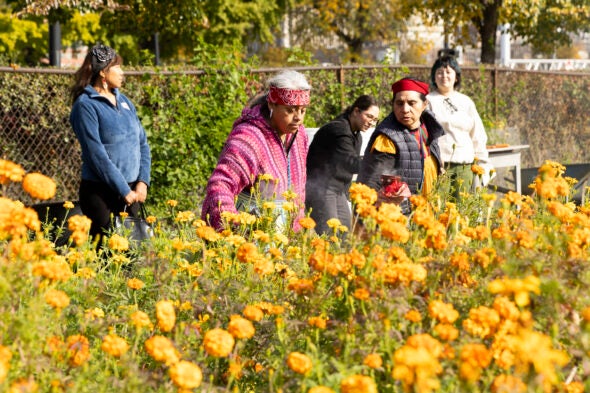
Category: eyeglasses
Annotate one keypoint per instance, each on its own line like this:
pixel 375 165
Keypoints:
pixel 370 117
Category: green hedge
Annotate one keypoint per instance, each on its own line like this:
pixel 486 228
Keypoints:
pixel 188 114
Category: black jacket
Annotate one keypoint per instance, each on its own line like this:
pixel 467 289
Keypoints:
pixel 407 162
pixel 333 157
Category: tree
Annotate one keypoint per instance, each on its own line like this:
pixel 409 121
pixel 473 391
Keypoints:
pixel 545 24
pixel 356 23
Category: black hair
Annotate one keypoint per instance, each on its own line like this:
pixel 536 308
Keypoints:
pixel 446 60
pixel 363 102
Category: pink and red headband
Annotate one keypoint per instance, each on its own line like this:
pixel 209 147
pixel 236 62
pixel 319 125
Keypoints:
pixel 289 97
pixel 410 84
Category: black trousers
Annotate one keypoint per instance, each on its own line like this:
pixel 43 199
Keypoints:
pixel 100 203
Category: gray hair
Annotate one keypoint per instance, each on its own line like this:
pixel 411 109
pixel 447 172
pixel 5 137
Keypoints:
pixel 289 79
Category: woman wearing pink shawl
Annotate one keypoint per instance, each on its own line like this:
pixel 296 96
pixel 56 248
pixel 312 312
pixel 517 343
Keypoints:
pixel 264 155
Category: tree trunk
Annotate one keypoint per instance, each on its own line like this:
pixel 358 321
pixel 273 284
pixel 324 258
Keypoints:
pixel 487 31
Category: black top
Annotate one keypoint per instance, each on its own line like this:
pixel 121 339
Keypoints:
pixel 333 157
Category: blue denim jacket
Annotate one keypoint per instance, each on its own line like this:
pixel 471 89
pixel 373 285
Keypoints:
pixel 114 144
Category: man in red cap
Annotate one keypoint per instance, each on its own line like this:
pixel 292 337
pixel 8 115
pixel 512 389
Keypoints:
pixel 405 144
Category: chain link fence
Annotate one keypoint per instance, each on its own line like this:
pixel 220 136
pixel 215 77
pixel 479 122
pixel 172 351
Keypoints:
pixel 547 110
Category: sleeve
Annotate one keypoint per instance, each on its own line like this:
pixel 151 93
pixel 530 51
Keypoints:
pixel 85 123
pixel 379 160
pixel 480 140
pixel 236 169
pixel 344 150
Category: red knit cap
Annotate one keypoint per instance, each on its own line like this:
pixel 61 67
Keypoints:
pixel 410 84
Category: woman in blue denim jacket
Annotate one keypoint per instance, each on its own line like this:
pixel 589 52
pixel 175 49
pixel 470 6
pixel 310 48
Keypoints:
pixel 116 158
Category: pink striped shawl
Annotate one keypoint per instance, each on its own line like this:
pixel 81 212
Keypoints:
pixel 252 149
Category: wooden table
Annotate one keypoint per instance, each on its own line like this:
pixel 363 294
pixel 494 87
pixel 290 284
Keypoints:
pixel 508 156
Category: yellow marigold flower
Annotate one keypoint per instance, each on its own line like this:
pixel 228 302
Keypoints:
pixel 166 315
pixel 289 206
pixel 318 322
pixel 333 223
pixel 161 349
pixel 299 362
pixel 289 195
pixel 135 283
pixel 78 349
pixel 118 243
pixel 373 360
pixel 508 384
pixel 218 343
pixel 151 219
pixel 57 299
pixel 240 327
pixel 141 320
pixel 361 194
pixel 39 186
pixel 186 375
pixel 247 253
pixel 395 231
pixel 23 385
pixel 269 206
pixel 114 345
pixel 506 309
pixel 358 384
pixel 474 358
pixel 320 389
pixel 279 238
pixel 86 273
pixel 68 205
pixel 184 216
pixel 264 266
pixel 208 233
pixel 573 387
pixel 253 313
pixel 443 312
pixel 79 223
pixel 482 322
pixel 267 177
pixel 172 203
pixel 10 171
pixel 307 222
pixel 413 316
pixel 94 313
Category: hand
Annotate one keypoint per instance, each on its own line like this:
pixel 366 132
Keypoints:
pixel 395 194
pixel 130 198
pixel 141 191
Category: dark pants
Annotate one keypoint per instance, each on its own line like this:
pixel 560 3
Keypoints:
pixel 327 205
pixel 99 203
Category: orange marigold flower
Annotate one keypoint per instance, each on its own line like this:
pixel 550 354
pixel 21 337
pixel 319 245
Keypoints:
pixel 172 203
pixel 307 222
pixel 114 345
pixel 443 312
pixel 240 327
pixel 508 384
pixel 166 315
pixel 247 253
pixel 218 343
pixel 78 350
pixel 161 349
pixel 253 313
pixel 186 375
pixel 23 385
pixel 39 186
pixel 373 360
pixel 413 316
pixel 446 332
pixel 55 269
pixel 573 387
pixel 358 384
pixel 299 362
pixel 474 358
pixel 301 286
pixel 208 233
pixel 586 314
pixel 477 169
pixel 361 294
pixel 135 283
pixel 318 322
pixel 10 172
pixel 57 299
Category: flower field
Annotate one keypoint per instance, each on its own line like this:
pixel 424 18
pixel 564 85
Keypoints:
pixel 487 295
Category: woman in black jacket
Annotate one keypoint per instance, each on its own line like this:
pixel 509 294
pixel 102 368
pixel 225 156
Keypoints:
pixel 333 159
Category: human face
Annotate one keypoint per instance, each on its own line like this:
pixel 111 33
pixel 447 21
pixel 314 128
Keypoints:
pixel 445 78
pixel 363 120
pixel 114 76
pixel 408 107
pixel 286 119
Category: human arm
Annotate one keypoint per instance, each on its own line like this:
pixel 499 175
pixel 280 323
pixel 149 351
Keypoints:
pixel 480 139
pixel 236 169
